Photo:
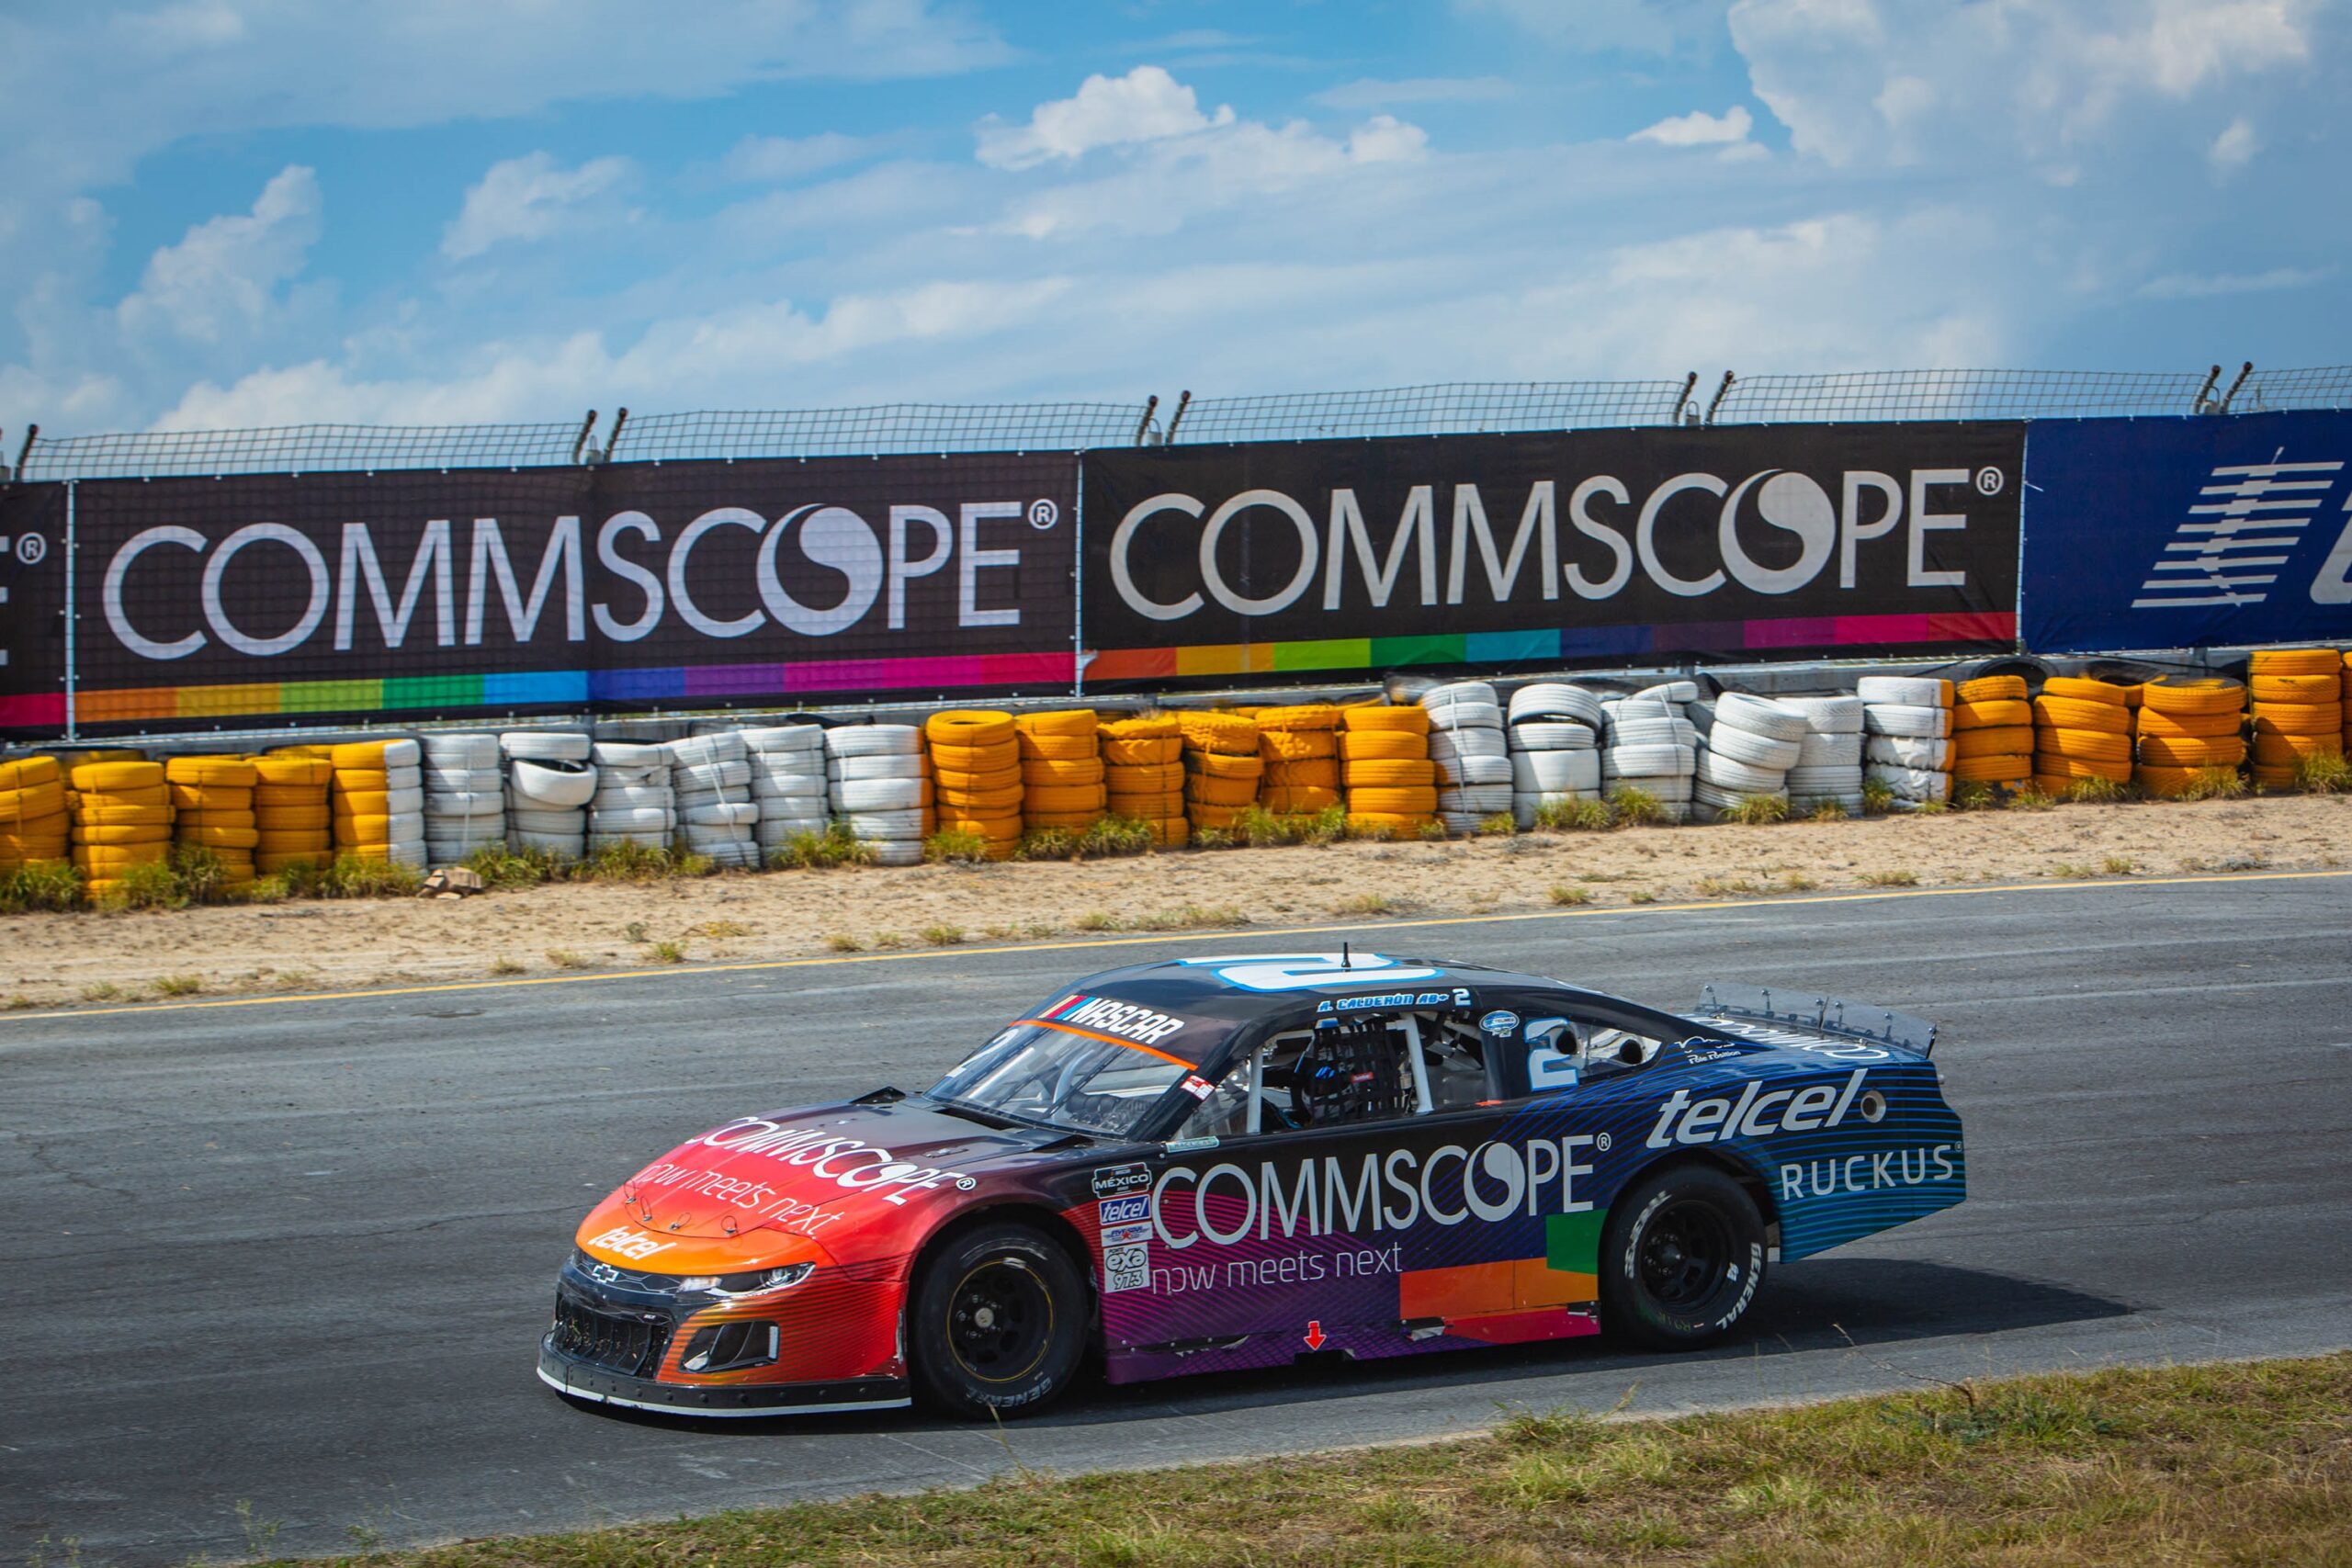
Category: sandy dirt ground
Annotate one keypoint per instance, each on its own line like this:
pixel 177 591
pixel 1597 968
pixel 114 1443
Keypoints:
pixel 95 959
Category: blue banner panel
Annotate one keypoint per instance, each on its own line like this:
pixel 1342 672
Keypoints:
pixel 2185 533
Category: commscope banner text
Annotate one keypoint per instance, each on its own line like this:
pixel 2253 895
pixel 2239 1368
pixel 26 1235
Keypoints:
pixel 1579 546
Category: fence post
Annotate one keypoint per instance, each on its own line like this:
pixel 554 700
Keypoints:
pixel 73 734
pixel 1078 583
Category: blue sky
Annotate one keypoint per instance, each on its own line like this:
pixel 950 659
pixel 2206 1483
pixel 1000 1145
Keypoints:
pixel 267 211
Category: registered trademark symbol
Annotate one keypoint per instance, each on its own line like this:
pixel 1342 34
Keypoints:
pixel 1044 514
pixel 31 549
pixel 1990 480
pixel 1602 1142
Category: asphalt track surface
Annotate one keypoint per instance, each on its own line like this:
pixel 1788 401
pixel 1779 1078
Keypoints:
pixel 297 1256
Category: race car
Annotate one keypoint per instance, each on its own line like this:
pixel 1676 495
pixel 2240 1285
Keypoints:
pixel 1206 1165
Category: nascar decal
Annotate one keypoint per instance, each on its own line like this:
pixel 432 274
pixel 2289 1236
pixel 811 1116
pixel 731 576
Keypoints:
pixel 1104 1015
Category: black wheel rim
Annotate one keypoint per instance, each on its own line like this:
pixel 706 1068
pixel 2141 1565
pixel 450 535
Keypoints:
pixel 1000 1320
pixel 1686 1252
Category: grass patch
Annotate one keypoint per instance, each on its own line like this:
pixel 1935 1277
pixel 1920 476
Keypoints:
pixel 505 965
pixel 2106 792
pixel 2323 776
pixel 1828 811
pixel 1972 795
pixel 1368 904
pixel 2118 865
pixel 1877 799
pixel 1640 895
pixel 2240 1462
pixel 942 936
pixel 1499 824
pixel 955 846
pixel 1049 844
pixel 1897 876
pixel 1099 921
pixel 1190 918
pixel 43 886
pixel 102 991
pixel 1797 882
pixel 1114 836
pixel 1585 816
pixel 1758 810
pixel 352 877
pixel 2070 872
pixel 565 958
pixel 668 951
pixel 718 929
pixel 841 941
pixel 178 985
pixel 1569 898
pixel 2030 798
pixel 503 870
pixel 1725 887
pixel 1634 806
pixel 2216 783
pixel 636 931
pixel 836 846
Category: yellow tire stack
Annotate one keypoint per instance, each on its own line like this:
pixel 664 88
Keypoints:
pixel 2186 723
pixel 2298 710
pixel 975 776
pixel 1143 772
pixel 1384 768
pixel 1222 768
pixel 1991 732
pixel 1062 769
pixel 212 808
pixel 2082 729
pixel 122 817
pixel 34 824
pixel 291 821
pixel 377 803
pixel 1301 748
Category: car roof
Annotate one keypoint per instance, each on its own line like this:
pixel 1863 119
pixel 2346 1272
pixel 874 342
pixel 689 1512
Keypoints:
pixel 1240 986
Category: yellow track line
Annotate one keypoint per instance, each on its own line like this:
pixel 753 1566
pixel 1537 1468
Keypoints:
pixel 1247 933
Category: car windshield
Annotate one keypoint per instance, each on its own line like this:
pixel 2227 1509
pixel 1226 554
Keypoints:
pixel 1038 1073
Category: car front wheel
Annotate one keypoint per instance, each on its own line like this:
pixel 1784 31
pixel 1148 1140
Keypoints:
pixel 1681 1259
pixel 998 1322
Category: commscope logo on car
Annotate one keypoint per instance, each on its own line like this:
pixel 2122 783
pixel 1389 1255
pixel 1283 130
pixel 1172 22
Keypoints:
pixel 852 1163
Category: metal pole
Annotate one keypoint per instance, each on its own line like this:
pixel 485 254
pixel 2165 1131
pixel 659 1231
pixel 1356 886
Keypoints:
pixel 1722 389
pixel 1142 426
pixel 72 733
pixel 1167 436
pixel 2230 396
pixel 1078 584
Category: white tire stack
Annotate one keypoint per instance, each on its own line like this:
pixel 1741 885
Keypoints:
pixel 1473 758
pixel 787 763
pixel 1906 721
pixel 633 804
pixel 875 782
pixel 710 786
pixel 1649 744
pixel 404 788
pixel 550 783
pixel 465 796
pixel 1828 770
pixel 1747 752
pixel 1555 737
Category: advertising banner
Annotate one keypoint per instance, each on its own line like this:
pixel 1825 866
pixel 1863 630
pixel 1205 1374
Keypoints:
pixel 32 606
pixel 1584 547
pixel 769 583
pixel 2182 533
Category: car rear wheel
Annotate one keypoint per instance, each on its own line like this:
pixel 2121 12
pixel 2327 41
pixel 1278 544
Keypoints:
pixel 999 1322
pixel 1681 1259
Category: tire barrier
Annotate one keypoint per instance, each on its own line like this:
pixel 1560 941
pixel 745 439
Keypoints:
pixel 1907 723
pixel 1062 775
pixel 1470 753
pixel 876 781
pixel 2082 729
pixel 121 814
pixel 1745 750
pixel 786 769
pixel 212 808
pixel 2298 710
pixel 36 828
pixel 1386 773
pixel 1554 735
pixel 1300 746
pixel 293 810
pixel 1992 734
pixel 551 785
pixel 710 790
pixel 1222 767
pixel 378 801
pixel 975 770
pixel 2183 726
pixel 1828 769
pixel 634 804
pixel 1651 745
pixel 465 795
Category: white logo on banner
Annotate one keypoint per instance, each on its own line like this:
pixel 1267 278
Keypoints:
pixel 2227 549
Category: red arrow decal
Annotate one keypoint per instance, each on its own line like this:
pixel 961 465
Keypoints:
pixel 1314 1336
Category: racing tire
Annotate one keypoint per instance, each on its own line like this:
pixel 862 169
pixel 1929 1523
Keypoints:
pixel 1681 1259
pixel 998 1323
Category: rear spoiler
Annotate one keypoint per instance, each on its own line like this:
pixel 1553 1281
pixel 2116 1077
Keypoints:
pixel 1813 1014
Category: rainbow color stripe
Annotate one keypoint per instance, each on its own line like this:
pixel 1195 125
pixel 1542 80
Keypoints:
pixel 687 684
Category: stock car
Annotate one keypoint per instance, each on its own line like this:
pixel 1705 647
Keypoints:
pixel 1206 1165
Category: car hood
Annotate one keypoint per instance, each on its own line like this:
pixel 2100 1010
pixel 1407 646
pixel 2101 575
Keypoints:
pixel 752 1183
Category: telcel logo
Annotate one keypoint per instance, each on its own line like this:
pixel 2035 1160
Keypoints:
pixel 1759 1112
pixel 631 1243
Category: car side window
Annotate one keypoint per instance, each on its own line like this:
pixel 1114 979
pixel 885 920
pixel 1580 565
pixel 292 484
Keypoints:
pixel 1348 1073
pixel 1562 1053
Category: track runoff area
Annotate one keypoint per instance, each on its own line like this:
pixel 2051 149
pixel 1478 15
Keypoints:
pixel 297 1256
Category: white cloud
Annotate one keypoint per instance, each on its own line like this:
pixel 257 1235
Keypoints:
pixel 773 160
pixel 1371 92
pixel 526 199
pixel 1145 104
pixel 1640 26
pixel 2235 147
pixel 2183 286
pixel 1868 81
pixel 1700 128
pixel 224 275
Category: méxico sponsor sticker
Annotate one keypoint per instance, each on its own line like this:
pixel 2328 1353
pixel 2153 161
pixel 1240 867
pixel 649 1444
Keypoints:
pixel 1110 1180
